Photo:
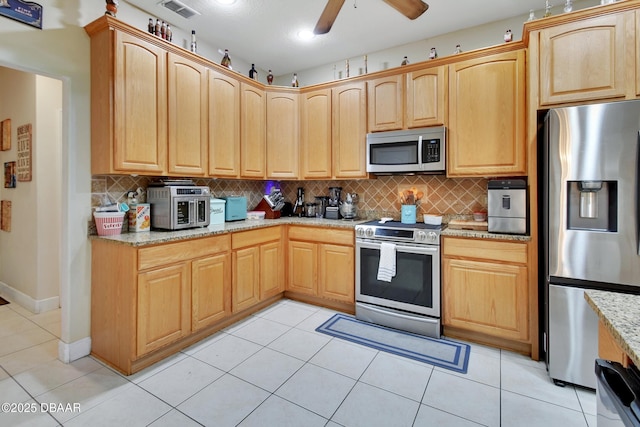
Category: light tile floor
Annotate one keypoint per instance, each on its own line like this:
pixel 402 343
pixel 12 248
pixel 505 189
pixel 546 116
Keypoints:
pixel 273 369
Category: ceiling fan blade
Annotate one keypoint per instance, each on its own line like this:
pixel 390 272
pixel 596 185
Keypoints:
pixel 409 8
pixel 329 15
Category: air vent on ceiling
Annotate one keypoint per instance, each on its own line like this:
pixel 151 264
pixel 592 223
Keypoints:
pixel 180 8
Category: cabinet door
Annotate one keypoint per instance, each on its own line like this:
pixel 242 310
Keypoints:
pixel 425 97
pixel 188 140
pixel 385 103
pixel 583 60
pixel 139 106
pixel 336 272
pixel 210 290
pixel 349 130
pixel 246 278
pixel 487 116
pixel 486 297
pixel 164 307
pixel 271 270
pixel 224 125
pixel 252 135
pixel 303 267
pixel 282 135
pixel 316 134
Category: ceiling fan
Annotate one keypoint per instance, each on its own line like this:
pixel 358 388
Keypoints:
pixel 409 8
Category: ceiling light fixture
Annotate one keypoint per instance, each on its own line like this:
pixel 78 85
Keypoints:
pixel 305 35
pixel 226 2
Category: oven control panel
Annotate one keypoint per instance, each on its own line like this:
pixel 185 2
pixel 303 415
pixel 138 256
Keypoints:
pixel 398 232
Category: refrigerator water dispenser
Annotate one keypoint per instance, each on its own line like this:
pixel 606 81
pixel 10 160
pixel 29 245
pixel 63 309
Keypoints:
pixel 592 205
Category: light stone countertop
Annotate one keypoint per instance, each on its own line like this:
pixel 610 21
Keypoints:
pixel 620 314
pixel 156 237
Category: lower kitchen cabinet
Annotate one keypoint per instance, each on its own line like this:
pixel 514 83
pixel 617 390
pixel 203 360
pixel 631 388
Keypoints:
pixel 485 290
pixel 258 268
pixel 144 300
pixel 321 264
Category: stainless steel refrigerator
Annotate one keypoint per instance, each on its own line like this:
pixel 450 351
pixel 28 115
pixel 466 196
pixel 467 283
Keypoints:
pixel 590 196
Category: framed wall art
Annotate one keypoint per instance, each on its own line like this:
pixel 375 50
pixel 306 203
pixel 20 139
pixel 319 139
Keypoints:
pixel 24 153
pixel 27 12
pixel 5 135
pixel 10 175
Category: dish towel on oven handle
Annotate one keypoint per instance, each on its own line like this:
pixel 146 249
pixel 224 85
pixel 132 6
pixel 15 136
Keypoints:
pixel 387 266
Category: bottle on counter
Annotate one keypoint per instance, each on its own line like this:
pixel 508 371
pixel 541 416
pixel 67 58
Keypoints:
pixel 152 27
pixel 163 30
pixel 194 44
pixel 168 35
pixel 294 81
pixel 253 73
pixel 270 77
pixel 157 28
pixel 405 61
pixel 226 60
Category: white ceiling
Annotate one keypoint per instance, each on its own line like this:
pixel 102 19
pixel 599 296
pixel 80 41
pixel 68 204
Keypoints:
pixel 265 31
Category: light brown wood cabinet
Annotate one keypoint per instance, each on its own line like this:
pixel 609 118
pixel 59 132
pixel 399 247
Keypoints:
pixel 585 60
pixel 315 134
pixel 608 348
pixel 143 300
pixel 128 102
pixel 385 97
pixel 253 132
pixel 426 97
pixel 321 263
pixel 188 131
pixel 485 288
pixel 487 134
pixel 283 135
pixel 349 130
pixel 224 126
pixel 258 266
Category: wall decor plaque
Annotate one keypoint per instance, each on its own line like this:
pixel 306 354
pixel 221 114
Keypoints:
pixel 10 175
pixel 5 134
pixel 5 215
pixel 24 152
pixel 27 12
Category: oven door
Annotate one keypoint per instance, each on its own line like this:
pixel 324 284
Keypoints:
pixel 190 212
pixel 416 285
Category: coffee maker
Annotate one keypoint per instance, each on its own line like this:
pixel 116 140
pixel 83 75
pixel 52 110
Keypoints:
pixel 298 208
pixel 333 207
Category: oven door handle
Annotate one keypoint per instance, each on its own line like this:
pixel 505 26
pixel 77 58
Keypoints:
pixel 420 249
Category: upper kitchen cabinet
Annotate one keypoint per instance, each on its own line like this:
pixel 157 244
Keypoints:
pixel 426 97
pixel 283 135
pixel 487 116
pixel 585 60
pixel 188 133
pixel 128 101
pixel 315 134
pixel 409 100
pixel 253 131
pixel 385 103
pixel 224 125
pixel 349 130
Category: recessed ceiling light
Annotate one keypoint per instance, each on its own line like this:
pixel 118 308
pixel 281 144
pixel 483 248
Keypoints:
pixel 226 1
pixel 305 35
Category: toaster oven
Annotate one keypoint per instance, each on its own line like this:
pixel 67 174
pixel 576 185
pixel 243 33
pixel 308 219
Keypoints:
pixel 176 207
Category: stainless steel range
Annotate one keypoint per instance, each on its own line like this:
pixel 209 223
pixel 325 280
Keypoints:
pixel 398 276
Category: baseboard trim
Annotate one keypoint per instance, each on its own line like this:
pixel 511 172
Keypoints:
pixel 68 352
pixel 33 305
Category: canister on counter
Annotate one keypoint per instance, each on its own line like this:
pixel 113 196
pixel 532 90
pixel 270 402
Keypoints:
pixel 139 217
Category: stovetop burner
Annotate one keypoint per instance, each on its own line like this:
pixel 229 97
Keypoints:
pixel 396 231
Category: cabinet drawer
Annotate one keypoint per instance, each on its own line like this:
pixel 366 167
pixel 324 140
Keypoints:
pixel 321 234
pixel 179 252
pixel 255 237
pixel 512 252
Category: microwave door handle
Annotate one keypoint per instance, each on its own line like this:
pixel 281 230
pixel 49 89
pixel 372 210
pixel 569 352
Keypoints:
pixel 420 151
pixel 192 212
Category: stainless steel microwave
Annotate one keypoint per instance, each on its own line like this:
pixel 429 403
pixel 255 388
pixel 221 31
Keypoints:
pixel 179 207
pixel 412 151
